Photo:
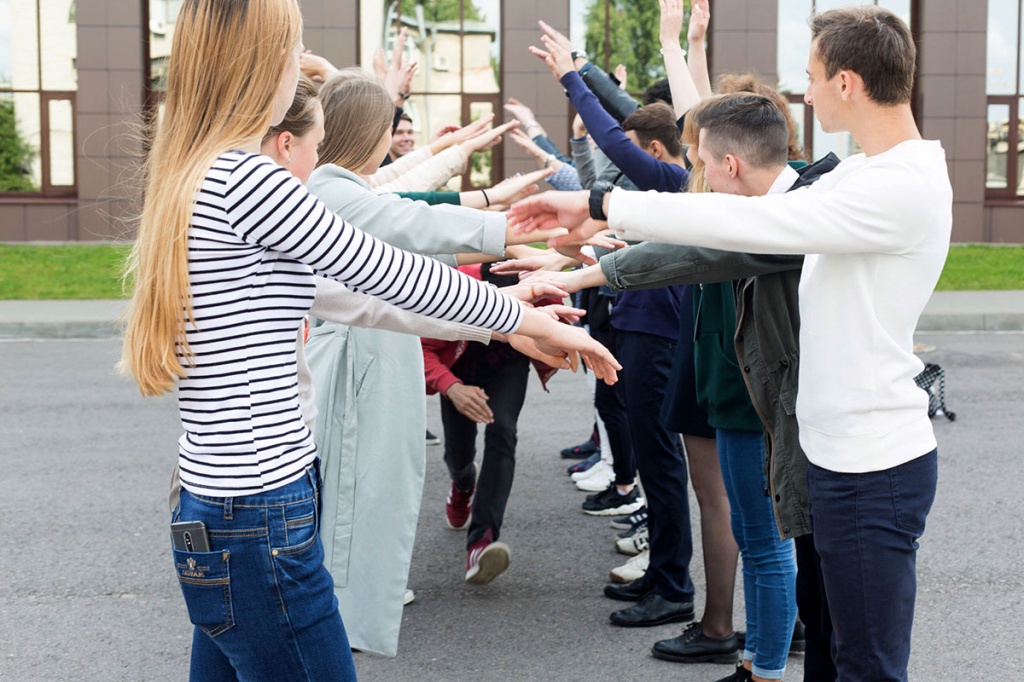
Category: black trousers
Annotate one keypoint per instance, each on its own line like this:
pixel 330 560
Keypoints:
pixel 610 402
pixel 505 387
pixel 646 364
pixel 812 606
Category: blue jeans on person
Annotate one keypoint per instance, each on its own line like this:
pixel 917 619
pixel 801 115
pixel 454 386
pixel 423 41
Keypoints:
pixel 866 528
pixel 769 564
pixel 262 602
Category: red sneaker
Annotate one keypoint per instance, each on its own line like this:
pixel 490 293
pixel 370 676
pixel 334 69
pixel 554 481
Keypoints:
pixel 486 560
pixel 456 507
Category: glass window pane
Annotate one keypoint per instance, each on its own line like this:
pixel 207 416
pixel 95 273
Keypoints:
pixel 374 15
pixel 998 145
pixel 434 41
pixel 163 16
pixel 20 168
pixel 62 143
pixel 840 143
pixel 430 113
pixel 59 39
pixel 481 164
pixel 19 51
pixel 1003 24
pixel 796 110
pixel 481 46
pixel 794 45
pixel 1020 147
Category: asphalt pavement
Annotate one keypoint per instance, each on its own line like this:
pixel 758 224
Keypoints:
pixel 88 592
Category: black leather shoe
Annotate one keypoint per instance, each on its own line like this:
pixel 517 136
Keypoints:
pixel 693 646
pixel 653 609
pixel 634 591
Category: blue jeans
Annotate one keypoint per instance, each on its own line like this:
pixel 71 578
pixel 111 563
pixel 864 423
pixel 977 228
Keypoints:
pixel 769 565
pixel 262 602
pixel 866 528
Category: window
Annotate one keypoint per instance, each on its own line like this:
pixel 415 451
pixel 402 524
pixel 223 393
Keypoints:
pixel 1004 166
pixel 457 44
pixel 624 32
pixel 794 45
pixel 38 80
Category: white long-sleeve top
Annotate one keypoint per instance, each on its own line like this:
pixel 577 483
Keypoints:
pixel 876 231
pixel 423 172
pixel 255 239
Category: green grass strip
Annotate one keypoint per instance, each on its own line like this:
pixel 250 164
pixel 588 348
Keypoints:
pixel 92 271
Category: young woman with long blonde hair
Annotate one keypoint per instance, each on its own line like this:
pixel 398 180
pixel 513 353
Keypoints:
pixel 223 275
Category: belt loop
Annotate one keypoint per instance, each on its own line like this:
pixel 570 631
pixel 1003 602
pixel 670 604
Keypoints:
pixel 229 508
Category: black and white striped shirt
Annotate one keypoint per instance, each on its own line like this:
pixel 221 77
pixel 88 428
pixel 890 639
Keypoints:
pixel 255 240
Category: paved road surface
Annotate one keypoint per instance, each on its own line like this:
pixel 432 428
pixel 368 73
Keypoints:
pixel 87 593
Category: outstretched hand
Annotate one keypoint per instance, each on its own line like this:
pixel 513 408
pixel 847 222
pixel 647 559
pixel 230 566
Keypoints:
pixel 558 59
pixel 550 210
pixel 671 25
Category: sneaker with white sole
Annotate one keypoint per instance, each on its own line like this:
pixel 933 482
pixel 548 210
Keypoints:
pixel 593 471
pixel 628 522
pixel 486 559
pixel 612 503
pixel 409 597
pixel 458 507
pixel 598 483
pixel 634 545
pixel 633 569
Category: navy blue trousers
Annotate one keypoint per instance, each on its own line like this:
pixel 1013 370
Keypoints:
pixel 646 364
pixel 866 528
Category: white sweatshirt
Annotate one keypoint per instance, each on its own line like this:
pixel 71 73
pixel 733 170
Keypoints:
pixel 876 231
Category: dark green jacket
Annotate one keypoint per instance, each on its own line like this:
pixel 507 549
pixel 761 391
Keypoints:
pixel 766 340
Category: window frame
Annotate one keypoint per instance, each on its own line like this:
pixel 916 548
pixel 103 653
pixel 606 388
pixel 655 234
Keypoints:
pixel 1013 193
pixel 467 99
pixel 47 190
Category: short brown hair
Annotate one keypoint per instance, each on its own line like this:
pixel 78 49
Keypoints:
pixel 873 43
pixel 748 82
pixel 655 122
pixel 750 126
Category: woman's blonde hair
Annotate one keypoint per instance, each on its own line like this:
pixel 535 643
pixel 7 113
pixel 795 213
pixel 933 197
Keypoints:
pixel 357 112
pixel 691 138
pixel 301 116
pixel 226 62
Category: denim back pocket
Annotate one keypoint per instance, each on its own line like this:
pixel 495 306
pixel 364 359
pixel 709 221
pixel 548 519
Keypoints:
pixel 205 581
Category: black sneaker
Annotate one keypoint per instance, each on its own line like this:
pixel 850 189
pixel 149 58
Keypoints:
pixel 693 646
pixel 627 522
pixel 432 439
pixel 741 675
pixel 636 528
pixel 610 502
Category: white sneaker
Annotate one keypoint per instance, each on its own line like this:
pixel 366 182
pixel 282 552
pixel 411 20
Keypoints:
pixel 634 544
pixel 592 471
pixel 409 597
pixel 633 569
pixel 596 484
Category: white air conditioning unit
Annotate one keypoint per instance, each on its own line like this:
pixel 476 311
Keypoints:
pixel 158 27
pixel 442 63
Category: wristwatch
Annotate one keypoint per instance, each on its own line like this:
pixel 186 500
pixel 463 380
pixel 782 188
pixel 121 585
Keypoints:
pixel 597 192
pixel 579 54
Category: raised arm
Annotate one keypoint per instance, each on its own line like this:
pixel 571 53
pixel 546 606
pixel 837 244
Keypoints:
pixel 684 93
pixel 700 18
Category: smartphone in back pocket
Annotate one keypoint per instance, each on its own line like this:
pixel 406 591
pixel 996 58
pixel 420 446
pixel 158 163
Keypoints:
pixel 190 536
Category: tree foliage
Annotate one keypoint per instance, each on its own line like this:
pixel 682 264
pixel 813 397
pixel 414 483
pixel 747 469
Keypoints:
pixel 448 10
pixel 632 38
pixel 15 153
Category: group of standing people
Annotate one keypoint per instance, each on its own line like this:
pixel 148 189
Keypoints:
pixel 293 479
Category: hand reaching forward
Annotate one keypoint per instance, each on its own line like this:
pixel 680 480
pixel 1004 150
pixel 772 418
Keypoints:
pixel 471 402
pixel 557 209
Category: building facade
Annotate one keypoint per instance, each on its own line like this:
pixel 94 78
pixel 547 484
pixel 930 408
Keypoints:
pixel 80 78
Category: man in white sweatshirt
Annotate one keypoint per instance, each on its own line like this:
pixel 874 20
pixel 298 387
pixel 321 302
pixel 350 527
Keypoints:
pixel 876 233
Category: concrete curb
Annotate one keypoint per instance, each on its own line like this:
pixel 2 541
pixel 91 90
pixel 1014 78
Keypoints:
pixel 947 311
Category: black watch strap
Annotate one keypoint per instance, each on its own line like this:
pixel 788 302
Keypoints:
pixel 597 192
